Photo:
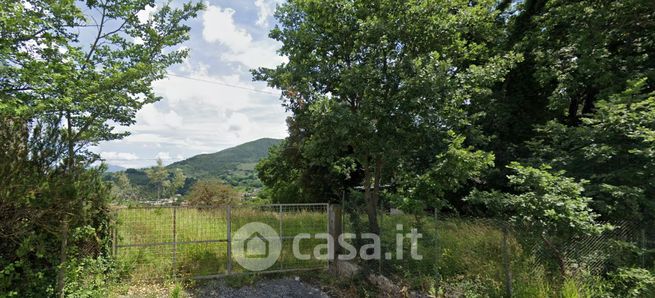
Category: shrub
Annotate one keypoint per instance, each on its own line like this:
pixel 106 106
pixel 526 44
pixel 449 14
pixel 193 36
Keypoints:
pixel 212 193
pixel 633 282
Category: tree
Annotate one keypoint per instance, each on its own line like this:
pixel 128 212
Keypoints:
pixel 212 193
pixel 158 176
pixel 177 181
pixel 122 188
pixel 549 204
pixel 165 182
pixel 451 170
pixel 576 53
pixel 70 71
pixel 372 83
pixel 612 149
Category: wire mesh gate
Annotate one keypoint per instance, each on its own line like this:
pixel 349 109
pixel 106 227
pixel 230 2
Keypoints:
pixel 183 241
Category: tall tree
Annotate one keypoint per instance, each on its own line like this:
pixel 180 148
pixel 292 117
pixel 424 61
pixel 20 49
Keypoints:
pixel 71 71
pixel 372 83
pixel 158 176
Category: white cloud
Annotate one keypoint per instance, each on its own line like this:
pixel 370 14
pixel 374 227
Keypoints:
pixel 219 26
pixel 265 8
pixel 146 14
pixel 259 54
pixel 150 116
pixel 111 156
pixel 164 155
pixel 196 116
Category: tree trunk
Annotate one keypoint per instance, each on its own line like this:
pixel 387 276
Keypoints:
pixel 372 196
pixel 557 253
pixel 371 207
pixel 63 255
pixel 70 171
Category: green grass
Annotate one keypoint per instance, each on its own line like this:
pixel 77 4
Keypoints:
pixel 155 225
pixel 461 257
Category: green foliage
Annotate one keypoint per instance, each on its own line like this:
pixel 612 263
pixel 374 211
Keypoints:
pixel 548 201
pixel 234 165
pixel 65 85
pixel 166 183
pixel 613 148
pixel 586 286
pixel 633 282
pixel 122 189
pixel 89 277
pixel 449 172
pixel 212 193
pixel 375 85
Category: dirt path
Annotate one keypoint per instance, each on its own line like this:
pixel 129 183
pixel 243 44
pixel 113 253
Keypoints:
pixel 284 287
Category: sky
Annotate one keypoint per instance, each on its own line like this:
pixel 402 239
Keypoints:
pixel 220 106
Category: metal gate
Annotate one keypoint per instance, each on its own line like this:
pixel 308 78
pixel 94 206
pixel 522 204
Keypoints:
pixel 196 242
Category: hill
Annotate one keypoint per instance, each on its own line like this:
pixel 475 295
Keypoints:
pixel 115 168
pixel 234 165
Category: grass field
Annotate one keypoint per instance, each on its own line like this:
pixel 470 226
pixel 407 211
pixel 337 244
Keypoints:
pixel 145 236
pixel 460 256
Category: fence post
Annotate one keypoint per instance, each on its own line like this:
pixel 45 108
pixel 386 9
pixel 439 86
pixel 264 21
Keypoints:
pixel 436 244
pixel 228 220
pixel 335 229
pixel 114 245
pixel 174 265
pixel 506 262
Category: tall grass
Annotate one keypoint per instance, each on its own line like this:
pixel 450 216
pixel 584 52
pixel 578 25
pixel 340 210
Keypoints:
pixel 154 255
pixel 461 257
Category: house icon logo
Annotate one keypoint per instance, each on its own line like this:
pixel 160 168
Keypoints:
pixel 256 246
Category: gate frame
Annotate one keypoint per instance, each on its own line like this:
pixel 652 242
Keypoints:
pixel 333 228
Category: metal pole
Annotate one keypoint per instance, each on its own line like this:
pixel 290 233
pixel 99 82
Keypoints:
pixel 380 222
pixel 174 243
pixel 436 243
pixel 229 239
pixel 114 247
pixel 281 235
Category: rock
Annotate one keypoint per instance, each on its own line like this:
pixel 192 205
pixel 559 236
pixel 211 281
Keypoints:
pixel 385 285
pixel 346 269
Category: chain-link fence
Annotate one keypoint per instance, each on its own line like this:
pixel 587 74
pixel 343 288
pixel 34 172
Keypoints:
pixel 184 241
pixel 496 257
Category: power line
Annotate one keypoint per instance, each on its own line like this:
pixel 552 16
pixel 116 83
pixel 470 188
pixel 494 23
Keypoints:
pixel 223 84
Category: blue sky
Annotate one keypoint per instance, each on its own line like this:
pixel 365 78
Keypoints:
pixel 196 116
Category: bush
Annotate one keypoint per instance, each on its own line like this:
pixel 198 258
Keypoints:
pixel 212 193
pixel 633 282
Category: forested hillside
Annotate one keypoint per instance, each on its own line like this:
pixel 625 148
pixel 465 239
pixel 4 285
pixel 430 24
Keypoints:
pixel 234 166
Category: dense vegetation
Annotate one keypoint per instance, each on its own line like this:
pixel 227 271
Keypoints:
pixel 69 72
pixel 540 111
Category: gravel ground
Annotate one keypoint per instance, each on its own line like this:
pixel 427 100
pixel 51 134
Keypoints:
pixel 274 288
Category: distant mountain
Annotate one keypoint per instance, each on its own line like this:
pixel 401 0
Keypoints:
pixel 114 168
pixel 234 165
